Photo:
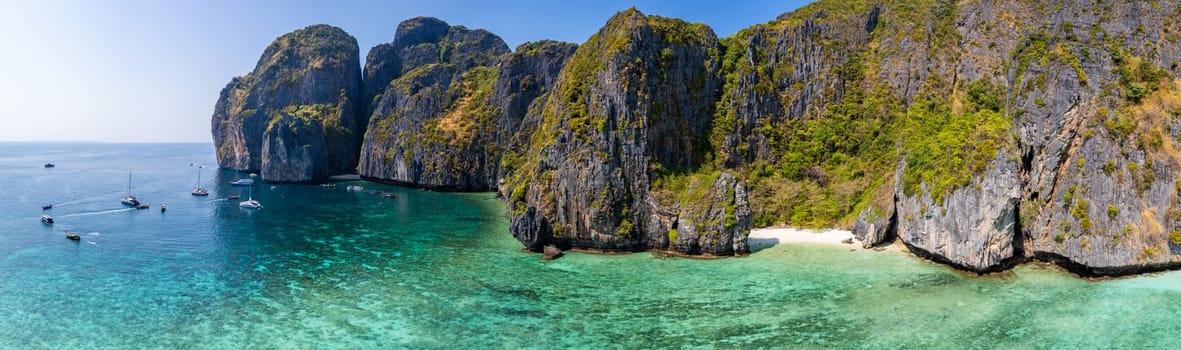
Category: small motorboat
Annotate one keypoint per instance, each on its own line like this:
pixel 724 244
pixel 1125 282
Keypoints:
pixel 327 185
pixel 49 165
pixel 142 206
pixel 46 219
pixel 355 188
pixel 235 196
pixel 73 236
pixel 242 182
pixel 163 208
pixel 47 207
pixel 387 194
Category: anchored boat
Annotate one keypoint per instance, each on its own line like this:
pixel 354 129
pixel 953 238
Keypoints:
pixel 250 203
pixel 197 190
pixel 130 200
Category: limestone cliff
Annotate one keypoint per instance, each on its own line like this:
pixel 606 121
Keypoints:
pixel 432 122
pixel 522 86
pixel 627 119
pixel 978 133
pixel 292 119
pixel 425 40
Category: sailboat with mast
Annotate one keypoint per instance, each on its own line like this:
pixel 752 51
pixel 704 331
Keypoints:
pixel 250 203
pixel 130 200
pixel 197 190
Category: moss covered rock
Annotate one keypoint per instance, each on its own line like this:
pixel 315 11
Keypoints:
pixel 432 122
pixel 632 104
pixel 312 75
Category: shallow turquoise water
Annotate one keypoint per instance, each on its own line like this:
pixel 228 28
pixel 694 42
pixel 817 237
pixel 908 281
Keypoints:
pixel 326 268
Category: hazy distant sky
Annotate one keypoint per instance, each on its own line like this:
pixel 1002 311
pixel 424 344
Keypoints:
pixel 150 71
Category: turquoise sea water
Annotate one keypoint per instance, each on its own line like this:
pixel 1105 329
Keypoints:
pixel 327 268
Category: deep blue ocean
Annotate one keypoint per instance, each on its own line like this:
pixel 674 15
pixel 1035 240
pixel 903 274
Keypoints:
pixel 321 268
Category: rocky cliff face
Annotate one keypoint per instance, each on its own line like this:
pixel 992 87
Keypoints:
pixel 523 84
pixel 989 132
pixel 292 118
pixel 629 114
pixel 425 40
pixel 432 123
pixel 978 133
pixel 975 227
pixel 297 152
pixel 1100 129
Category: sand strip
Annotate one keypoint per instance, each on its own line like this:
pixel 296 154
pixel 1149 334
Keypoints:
pixel 761 238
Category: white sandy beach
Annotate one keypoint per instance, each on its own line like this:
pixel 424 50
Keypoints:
pixel 769 236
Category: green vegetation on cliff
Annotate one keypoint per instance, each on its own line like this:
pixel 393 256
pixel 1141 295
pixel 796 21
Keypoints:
pixel 312 75
pixel 823 174
pixel 823 167
pixel 572 108
pixel 306 49
pixel 842 113
pixel 470 116
pixel 949 149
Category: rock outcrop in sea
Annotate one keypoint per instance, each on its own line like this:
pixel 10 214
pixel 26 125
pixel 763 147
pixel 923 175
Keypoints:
pixel 980 134
pixel 294 119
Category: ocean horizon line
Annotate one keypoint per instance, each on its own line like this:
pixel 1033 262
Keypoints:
pixel 108 142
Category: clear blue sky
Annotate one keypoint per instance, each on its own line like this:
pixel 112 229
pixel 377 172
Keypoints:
pixel 150 71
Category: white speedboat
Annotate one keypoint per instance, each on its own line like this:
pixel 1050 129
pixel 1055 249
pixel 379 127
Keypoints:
pixel 250 204
pixel 242 182
pixel 48 220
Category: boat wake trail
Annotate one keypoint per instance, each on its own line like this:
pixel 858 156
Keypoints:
pixel 88 199
pixel 100 212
